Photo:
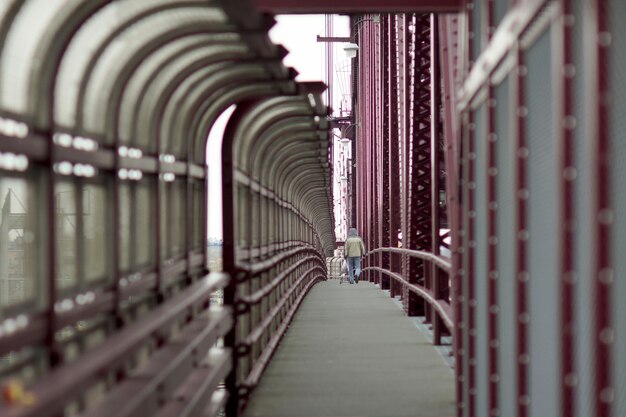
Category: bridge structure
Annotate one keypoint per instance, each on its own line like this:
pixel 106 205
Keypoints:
pixel 487 183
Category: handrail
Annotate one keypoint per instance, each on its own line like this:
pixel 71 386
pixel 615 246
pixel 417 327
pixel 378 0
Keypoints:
pixel 263 360
pixel 63 384
pixel 258 330
pixel 441 306
pixel 262 266
pixel 426 256
pixel 261 293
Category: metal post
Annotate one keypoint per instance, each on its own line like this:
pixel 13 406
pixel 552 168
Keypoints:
pixel 434 169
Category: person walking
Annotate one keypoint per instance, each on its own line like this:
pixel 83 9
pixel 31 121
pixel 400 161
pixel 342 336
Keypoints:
pixel 354 250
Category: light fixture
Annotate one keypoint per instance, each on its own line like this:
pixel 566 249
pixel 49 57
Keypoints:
pixel 345 142
pixel 351 49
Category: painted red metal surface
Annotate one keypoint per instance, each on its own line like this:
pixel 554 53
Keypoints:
pixel 356 6
pixel 521 229
pixel 597 14
pixel 567 232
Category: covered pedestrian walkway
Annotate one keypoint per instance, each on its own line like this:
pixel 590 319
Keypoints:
pixel 484 159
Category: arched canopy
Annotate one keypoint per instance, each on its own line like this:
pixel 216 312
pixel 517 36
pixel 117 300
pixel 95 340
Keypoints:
pixel 105 110
pixel 282 143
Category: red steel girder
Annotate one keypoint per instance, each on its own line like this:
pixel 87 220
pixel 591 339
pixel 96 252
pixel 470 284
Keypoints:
pixel 419 214
pixel 357 6
pixel 383 147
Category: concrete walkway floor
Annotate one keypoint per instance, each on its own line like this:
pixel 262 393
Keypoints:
pixel 351 352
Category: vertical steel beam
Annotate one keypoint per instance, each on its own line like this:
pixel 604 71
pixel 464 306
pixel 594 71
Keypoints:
pixel 420 211
pixel 448 32
pixel 470 266
pixel 566 229
pixel 393 147
pixel 403 49
pixel 435 106
pixel 597 15
pixel 492 253
pixel 523 353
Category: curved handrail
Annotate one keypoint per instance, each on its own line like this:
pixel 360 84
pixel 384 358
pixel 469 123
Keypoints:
pixel 440 261
pixel 441 306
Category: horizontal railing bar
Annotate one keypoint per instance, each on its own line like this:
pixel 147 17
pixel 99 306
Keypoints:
pixel 196 395
pixel 257 296
pixel 441 306
pixel 60 386
pixel 141 386
pixel 101 158
pixel 262 266
pixel 255 334
pixel 146 164
pixel 104 302
pixel 263 360
pixel 32 334
pixel 426 256
pixel 35 148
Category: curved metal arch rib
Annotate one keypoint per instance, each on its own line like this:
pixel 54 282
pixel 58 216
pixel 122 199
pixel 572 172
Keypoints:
pixel 90 42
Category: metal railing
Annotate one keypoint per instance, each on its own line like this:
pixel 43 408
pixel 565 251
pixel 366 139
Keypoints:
pixel 333 265
pixel 427 294
pixel 276 186
pixel 109 310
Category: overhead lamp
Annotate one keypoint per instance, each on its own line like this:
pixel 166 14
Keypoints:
pixel 345 142
pixel 351 49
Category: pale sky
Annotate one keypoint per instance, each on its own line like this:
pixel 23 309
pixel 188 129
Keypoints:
pixel 298 34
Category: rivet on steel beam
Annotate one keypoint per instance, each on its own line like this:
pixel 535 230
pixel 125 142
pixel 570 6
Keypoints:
pixel 523 194
pixel 571 380
pixel 569 122
pixel 524 318
pixel 522 111
pixel 570 173
pixel 523 276
pixel 607 395
pixel 569 71
pixel 569 19
pixel 604 39
pixel 607 336
pixel 605 276
pixel 605 216
pixel 522 71
pixel 570 277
